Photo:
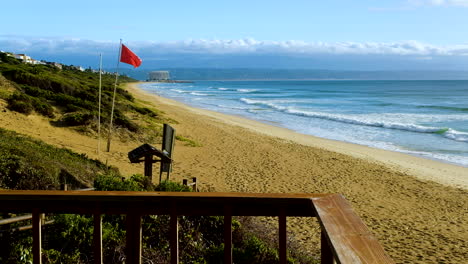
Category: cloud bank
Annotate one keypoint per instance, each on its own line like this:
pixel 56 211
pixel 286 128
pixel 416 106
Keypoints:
pixel 248 53
pixel 239 46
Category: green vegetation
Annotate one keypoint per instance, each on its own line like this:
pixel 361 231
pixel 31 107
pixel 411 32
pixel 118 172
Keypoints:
pixel 30 164
pixel 26 163
pixel 188 142
pixel 71 96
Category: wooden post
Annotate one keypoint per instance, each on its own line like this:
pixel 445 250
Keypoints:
pixel 326 254
pixel 185 182
pixel 133 238
pixel 149 167
pixel 194 186
pixel 282 236
pixel 97 238
pixel 37 238
pixel 174 236
pixel 228 234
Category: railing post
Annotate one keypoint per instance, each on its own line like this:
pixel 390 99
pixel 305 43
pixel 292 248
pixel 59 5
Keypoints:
pixel 133 238
pixel 282 236
pixel 228 234
pixel 97 238
pixel 174 235
pixel 37 238
pixel 326 255
pixel 194 186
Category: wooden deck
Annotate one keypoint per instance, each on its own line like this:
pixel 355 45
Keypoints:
pixel 345 238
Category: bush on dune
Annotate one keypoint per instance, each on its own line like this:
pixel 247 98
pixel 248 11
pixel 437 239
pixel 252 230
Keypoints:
pixel 43 87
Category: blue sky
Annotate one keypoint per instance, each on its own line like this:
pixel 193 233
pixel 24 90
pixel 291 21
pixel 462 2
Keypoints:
pixel 429 31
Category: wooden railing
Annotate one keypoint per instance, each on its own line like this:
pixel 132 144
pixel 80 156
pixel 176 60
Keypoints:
pixel 345 238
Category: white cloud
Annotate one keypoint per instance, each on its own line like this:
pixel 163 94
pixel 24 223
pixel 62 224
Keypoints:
pixel 69 46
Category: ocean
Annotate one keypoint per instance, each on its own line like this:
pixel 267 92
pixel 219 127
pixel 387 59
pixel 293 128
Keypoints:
pixel 422 118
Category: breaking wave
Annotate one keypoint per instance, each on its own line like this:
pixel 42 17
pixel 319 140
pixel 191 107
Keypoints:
pixel 365 121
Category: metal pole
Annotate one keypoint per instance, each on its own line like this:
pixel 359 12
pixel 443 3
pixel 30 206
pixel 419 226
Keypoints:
pixel 113 98
pixel 99 115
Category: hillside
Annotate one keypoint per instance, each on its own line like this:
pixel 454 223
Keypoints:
pixel 69 97
pixel 60 107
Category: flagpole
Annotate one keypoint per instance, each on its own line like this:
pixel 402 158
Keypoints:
pixel 113 98
pixel 99 115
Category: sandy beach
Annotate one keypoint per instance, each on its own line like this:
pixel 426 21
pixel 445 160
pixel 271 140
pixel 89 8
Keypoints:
pixel 417 208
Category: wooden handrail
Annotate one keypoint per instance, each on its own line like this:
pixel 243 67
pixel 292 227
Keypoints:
pixel 345 238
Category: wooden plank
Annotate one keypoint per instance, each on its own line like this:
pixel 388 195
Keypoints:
pixel 37 237
pixel 15 219
pixel 167 148
pixel 134 241
pixel 192 203
pixel 174 236
pixel 282 236
pixel 351 240
pixel 97 238
pixel 228 235
pixel 326 254
pixel 28 227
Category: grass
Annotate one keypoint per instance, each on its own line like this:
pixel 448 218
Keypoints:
pixel 31 164
pixel 188 142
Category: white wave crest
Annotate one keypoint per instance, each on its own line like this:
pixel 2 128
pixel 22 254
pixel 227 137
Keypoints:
pixel 456 135
pixel 178 91
pixel 198 93
pixel 364 120
pixel 246 90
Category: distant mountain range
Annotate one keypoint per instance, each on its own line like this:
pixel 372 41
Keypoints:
pixel 294 74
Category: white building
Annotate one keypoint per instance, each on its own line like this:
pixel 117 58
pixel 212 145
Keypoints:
pixel 158 76
pixel 26 59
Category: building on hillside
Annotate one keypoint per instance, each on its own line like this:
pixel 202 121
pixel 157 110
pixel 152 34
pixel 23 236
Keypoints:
pixel 23 57
pixel 79 68
pixel 57 65
pixel 158 76
pixel 26 59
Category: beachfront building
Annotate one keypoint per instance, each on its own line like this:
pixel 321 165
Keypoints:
pixel 158 76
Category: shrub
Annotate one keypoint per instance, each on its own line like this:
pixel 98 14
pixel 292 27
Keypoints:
pixel 43 108
pixel 20 107
pixel 20 103
pixel 112 182
pixel 76 119
pixel 122 121
pixel 144 111
pixel 169 186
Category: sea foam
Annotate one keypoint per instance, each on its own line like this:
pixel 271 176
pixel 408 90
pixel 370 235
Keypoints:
pixel 364 120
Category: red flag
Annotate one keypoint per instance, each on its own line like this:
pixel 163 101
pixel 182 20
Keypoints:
pixel 127 56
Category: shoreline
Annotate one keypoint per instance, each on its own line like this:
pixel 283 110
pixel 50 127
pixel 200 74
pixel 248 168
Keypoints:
pixel 423 168
pixel 417 208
